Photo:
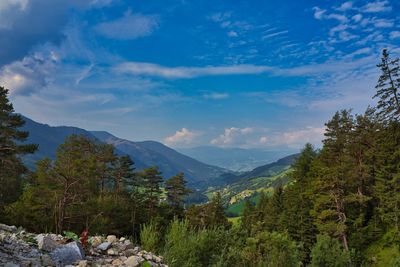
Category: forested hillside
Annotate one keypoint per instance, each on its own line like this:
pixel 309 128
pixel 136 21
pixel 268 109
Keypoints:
pixel 143 154
pixel 341 206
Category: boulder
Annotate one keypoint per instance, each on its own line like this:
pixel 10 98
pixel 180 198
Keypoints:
pixel 112 239
pixel 104 246
pixel 83 263
pixel 133 261
pixel 47 261
pixel 117 262
pixel 67 254
pixel 7 228
pixel 46 243
pixel 130 252
pixel 96 240
pixel 112 252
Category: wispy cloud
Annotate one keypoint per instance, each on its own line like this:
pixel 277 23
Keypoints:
pixel 149 69
pixel 376 7
pixel 395 35
pixel 270 35
pixel 216 96
pixel 130 26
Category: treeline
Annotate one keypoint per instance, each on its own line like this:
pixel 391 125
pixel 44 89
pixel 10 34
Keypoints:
pixel 88 186
pixel 341 207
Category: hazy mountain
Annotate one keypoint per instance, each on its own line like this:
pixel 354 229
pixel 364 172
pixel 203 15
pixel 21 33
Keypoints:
pixel 170 161
pixel 144 154
pixel 235 159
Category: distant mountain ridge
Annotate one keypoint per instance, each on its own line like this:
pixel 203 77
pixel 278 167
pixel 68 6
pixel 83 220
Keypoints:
pixel 144 154
pixel 167 159
pixel 235 159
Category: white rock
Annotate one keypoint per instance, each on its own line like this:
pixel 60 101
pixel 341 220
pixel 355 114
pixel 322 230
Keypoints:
pixel 133 261
pixel 111 238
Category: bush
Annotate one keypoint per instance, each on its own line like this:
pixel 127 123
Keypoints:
pixel 328 252
pixel 188 247
pixel 180 246
pixel 150 237
pixel 271 250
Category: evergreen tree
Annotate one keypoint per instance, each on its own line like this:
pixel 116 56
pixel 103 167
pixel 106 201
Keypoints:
pixel 329 253
pixel 123 174
pixel 11 150
pixel 248 218
pixel 274 209
pixel 388 87
pixel 333 169
pixel 297 203
pixel 152 180
pixel 176 192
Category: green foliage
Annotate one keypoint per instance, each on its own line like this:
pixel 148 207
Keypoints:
pixel 189 247
pixel 150 237
pixel 210 215
pixel 11 148
pixel 176 192
pixel 388 86
pixel 271 250
pixel 71 235
pixel 328 252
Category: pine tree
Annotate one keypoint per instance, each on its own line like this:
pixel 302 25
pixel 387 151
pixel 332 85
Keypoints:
pixel 331 186
pixel 176 192
pixel 273 218
pixel 248 217
pixel 123 174
pixel 11 150
pixel 152 180
pixel 388 88
pixel 297 203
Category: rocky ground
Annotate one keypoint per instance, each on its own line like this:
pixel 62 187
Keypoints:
pixel 20 248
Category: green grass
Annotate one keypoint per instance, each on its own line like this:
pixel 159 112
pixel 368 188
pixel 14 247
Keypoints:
pixel 237 208
pixel 234 220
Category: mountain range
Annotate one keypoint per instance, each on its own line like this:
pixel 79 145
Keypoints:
pixel 144 154
pixel 151 153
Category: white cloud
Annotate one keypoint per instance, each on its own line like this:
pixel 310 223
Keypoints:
pixel 297 138
pixel 149 69
pixel 30 74
pixel 383 23
pixel 321 14
pixel 264 140
pixel 318 12
pixel 345 6
pixel 232 136
pixel 357 17
pixel 267 36
pixel 11 4
pixel 395 35
pixel 181 137
pixel 232 34
pixel 377 6
pixel 130 26
pixel 216 96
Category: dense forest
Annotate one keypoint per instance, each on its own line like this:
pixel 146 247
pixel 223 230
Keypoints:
pixel 340 208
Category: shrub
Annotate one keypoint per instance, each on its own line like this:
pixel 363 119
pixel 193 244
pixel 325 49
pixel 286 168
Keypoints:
pixel 328 252
pixel 150 237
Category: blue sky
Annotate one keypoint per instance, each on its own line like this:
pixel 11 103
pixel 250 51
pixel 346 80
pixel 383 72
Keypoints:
pixel 261 74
